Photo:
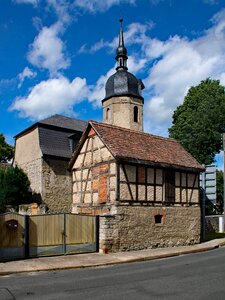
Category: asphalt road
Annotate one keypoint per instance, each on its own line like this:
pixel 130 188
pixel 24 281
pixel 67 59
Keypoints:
pixel 194 276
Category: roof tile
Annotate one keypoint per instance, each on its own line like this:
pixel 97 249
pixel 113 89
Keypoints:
pixel 142 147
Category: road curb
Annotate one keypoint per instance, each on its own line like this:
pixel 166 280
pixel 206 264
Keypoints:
pixel 120 259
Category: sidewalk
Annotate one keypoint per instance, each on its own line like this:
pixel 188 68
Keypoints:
pixel 97 259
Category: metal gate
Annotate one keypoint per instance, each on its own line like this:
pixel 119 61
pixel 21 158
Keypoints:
pixel 47 235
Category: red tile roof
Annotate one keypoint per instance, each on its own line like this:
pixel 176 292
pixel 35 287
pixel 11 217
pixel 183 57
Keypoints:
pixel 139 147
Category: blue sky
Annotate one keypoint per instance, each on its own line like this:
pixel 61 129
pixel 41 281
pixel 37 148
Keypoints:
pixel 56 55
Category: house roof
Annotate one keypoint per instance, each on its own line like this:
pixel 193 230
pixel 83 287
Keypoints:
pixel 138 147
pixel 64 123
pixel 55 133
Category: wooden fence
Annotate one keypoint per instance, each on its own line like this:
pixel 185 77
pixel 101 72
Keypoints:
pixel 46 235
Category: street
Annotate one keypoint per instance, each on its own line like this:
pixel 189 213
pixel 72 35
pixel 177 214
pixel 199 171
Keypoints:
pixel 195 276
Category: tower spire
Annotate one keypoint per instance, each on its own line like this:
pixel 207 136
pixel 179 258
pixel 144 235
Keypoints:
pixel 121 51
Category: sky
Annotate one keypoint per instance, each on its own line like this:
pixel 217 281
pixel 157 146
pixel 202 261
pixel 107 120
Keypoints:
pixel 56 55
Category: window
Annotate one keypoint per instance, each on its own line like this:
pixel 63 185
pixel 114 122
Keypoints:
pixel 135 114
pixel 158 219
pixel 170 186
pixel 107 113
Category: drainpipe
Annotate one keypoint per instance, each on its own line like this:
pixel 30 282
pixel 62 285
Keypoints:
pixel 223 225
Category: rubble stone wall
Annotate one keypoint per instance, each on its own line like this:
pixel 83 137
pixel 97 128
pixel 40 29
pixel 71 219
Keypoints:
pixel 57 185
pixel 135 228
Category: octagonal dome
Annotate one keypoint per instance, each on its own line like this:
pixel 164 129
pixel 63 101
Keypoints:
pixel 123 83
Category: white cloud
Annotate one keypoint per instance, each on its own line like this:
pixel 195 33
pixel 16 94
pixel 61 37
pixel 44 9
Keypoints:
pixel 99 5
pixel 61 8
pixel 33 2
pixel 47 50
pixel 174 65
pixel 178 64
pixel 26 73
pixel 135 34
pixel 52 96
pixel 97 91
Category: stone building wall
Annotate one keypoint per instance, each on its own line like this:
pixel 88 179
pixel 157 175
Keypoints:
pixel 33 169
pixel 56 185
pixel 135 228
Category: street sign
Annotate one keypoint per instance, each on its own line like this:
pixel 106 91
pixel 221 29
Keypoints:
pixel 210 182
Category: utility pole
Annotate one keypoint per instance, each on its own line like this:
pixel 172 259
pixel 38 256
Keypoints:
pixel 223 137
pixel 203 205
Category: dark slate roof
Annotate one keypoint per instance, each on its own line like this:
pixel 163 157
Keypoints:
pixel 64 122
pixel 55 142
pixel 138 147
pixel 56 134
pixel 123 83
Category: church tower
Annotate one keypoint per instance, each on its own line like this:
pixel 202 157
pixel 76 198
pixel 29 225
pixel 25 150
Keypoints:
pixel 123 103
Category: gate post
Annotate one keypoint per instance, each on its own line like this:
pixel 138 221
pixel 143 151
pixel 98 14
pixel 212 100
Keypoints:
pixel 64 234
pixel 26 236
pixel 97 232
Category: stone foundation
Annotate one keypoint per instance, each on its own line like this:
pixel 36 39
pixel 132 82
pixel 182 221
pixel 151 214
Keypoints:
pixel 136 228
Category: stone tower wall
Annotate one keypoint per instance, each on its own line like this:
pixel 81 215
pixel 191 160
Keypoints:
pixel 119 111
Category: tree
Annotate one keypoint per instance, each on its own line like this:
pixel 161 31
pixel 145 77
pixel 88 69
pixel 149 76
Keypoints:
pixel 199 122
pixel 6 150
pixel 14 187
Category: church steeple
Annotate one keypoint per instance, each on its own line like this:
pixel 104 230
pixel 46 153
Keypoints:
pixel 123 102
pixel 121 51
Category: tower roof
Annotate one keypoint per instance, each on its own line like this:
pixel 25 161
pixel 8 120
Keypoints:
pixel 122 82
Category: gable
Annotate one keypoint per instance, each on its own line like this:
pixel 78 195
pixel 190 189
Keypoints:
pixel 91 152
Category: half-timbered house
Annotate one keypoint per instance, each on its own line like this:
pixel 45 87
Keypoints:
pixel 145 188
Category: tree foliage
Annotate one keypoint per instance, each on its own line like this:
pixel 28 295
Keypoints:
pixel 14 185
pixel 6 150
pixel 199 122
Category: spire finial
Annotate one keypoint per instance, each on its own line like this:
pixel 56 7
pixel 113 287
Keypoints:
pixel 121 52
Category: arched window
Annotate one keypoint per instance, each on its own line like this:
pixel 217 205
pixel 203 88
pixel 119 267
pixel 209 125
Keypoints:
pixel 135 114
pixel 107 113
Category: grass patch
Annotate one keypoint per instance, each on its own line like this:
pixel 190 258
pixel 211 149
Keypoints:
pixel 214 235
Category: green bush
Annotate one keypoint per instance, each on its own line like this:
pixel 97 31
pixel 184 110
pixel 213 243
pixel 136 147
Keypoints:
pixel 14 187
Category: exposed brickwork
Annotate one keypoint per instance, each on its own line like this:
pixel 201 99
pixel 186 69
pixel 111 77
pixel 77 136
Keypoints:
pixel 141 174
pixel 91 133
pixel 103 190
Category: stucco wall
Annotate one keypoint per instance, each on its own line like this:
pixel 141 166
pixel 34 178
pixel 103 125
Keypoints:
pixel 134 228
pixel 57 185
pixel 28 157
pixel 27 148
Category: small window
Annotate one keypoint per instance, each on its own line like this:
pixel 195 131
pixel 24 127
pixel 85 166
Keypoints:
pixel 108 114
pixel 158 219
pixel 135 114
